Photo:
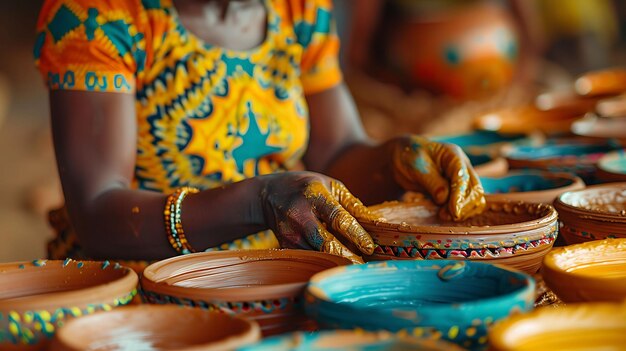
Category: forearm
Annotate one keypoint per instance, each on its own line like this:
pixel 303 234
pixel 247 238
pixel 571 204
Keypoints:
pixel 129 224
pixel 365 168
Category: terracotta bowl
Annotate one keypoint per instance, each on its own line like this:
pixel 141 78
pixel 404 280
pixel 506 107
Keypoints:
pixel 453 300
pixel 527 119
pixel 487 166
pixel 482 142
pixel 353 340
pixel 602 128
pixel 592 271
pixel 37 297
pixel 263 285
pixel 156 328
pixel 597 212
pixel 537 187
pixel 590 326
pixel 514 234
pixel 612 167
pixel 576 156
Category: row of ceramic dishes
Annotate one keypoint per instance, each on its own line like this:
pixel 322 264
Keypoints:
pixel 417 304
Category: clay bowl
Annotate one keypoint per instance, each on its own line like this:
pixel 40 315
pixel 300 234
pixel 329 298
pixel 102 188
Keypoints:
pixel 488 166
pixel 597 212
pixel 590 326
pixel 263 285
pixel 612 167
pixel 482 142
pixel 156 328
pixel 354 340
pixel 536 187
pixel 592 271
pixel 571 156
pixel 527 119
pixel 37 297
pixel 469 51
pixel 514 234
pixel 601 128
pixel 460 302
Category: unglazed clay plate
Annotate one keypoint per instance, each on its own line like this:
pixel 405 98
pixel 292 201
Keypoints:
pixel 575 327
pixel 592 271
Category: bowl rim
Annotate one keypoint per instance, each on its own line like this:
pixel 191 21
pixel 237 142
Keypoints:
pixel 117 288
pixel 252 332
pixel 612 156
pixel 570 312
pixel 528 286
pixel 540 222
pixel 561 205
pixel 261 292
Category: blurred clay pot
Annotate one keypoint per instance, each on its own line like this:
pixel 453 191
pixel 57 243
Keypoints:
pixel 537 187
pixel 597 212
pixel 513 234
pixel 591 271
pixel 37 297
pixel 601 128
pixel 468 51
pixel 612 167
pixel 527 119
pixel 589 326
pixel 262 285
pixel 156 328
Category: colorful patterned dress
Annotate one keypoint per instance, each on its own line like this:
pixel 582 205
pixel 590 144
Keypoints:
pixel 206 115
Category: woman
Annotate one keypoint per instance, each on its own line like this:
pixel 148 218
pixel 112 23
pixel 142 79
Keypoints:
pixel 178 126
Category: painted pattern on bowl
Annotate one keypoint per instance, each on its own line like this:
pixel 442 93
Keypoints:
pixel 515 234
pixel 461 302
pixel 59 291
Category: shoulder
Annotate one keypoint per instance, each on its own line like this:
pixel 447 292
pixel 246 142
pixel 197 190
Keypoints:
pixel 307 17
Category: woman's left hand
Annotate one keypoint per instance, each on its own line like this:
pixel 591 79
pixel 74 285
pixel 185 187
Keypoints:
pixel 440 169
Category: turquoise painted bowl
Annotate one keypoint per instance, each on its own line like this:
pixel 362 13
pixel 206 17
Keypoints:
pixel 612 166
pixel 453 300
pixel 482 141
pixel 353 340
pixel 574 158
pixel 529 186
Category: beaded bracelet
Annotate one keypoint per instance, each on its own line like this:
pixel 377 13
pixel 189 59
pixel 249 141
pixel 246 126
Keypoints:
pixel 173 223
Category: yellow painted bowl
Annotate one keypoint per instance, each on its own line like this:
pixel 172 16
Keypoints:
pixel 590 326
pixel 592 271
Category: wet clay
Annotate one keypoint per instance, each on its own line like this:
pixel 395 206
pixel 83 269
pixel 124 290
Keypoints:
pixel 156 328
pixel 592 271
pixel 593 326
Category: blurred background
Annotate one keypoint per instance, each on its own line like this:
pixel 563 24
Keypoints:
pixel 414 66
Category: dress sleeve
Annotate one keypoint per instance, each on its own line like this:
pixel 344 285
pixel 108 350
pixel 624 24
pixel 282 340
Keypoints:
pixel 88 45
pixel 315 31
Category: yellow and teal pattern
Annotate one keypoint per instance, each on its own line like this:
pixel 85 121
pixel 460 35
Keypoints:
pixel 206 115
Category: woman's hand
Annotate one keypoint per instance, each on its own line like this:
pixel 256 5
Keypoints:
pixel 440 169
pixel 309 211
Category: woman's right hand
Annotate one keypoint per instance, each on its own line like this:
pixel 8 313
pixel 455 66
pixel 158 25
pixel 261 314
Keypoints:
pixel 309 211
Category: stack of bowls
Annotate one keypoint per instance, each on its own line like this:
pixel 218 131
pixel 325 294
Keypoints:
pixel 37 297
pixel 514 234
pixel 453 300
pixel 597 212
pixel 263 285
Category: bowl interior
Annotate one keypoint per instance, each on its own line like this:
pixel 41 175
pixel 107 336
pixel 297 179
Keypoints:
pixel 426 213
pixel 24 280
pixel 605 199
pixel 605 259
pixel 614 162
pixel 394 285
pixel 151 328
pixel 576 327
pixel 561 150
pixel 523 183
pixel 242 269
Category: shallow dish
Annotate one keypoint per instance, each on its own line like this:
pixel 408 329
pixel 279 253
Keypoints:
pixel 589 326
pixel 515 234
pixel 612 166
pixel 263 285
pixel 527 119
pixel 461 301
pixel 156 328
pixel 597 212
pixel 353 340
pixel 539 187
pixel 37 297
pixel 592 271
